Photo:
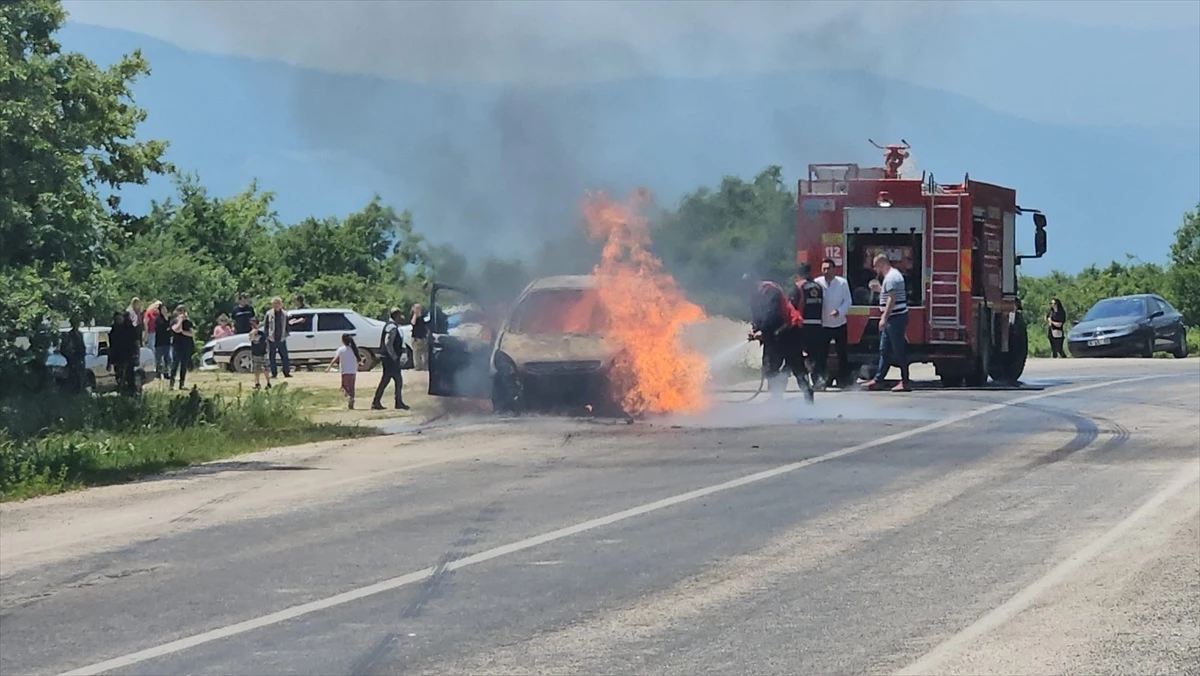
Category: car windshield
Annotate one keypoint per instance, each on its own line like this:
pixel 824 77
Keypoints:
pixel 560 311
pixel 1116 307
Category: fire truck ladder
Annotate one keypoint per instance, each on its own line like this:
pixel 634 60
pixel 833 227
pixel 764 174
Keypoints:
pixel 946 249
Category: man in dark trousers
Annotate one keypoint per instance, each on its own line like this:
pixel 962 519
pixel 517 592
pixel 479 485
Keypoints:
pixel 808 297
pixel 391 349
pixel 276 324
pixel 776 324
pixel 837 306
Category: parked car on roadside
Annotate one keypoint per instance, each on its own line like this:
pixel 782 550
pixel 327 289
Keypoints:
pixel 315 335
pixel 1126 326
pixel 99 378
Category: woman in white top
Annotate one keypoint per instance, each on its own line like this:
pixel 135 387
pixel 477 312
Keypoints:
pixel 347 358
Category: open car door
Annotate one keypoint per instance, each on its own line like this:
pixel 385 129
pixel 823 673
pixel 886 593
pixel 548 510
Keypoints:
pixel 460 345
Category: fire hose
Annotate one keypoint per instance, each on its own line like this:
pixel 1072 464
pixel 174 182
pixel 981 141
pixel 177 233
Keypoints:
pixel 762 379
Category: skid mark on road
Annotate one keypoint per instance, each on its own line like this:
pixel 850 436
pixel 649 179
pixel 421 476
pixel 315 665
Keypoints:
pixel 91 578
pixel 303 609
pixel 193 515
pixel 368 663
pixel 434 586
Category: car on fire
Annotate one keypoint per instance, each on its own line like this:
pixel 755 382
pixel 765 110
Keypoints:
pixel 314 336
pixel 1137 325
pixel 548 353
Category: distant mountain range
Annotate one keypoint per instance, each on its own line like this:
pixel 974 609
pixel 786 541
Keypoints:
pixel 498 168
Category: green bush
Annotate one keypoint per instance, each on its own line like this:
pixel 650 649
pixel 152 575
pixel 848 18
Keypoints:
pixel 50 444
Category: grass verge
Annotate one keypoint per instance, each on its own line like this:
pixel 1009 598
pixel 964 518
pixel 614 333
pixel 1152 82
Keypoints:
pixel 55 443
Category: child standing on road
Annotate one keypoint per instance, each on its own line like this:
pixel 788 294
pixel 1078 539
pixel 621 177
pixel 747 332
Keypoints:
pixel 347 358
pixel 258 354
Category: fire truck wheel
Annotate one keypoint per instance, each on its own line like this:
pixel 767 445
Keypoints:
pixel 1007 367
pixel 978 376
pixel 952 381
pixel 1013 362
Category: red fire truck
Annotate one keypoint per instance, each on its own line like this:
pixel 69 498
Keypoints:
pixel 954 244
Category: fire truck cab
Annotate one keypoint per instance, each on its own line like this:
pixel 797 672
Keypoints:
pixel 955 246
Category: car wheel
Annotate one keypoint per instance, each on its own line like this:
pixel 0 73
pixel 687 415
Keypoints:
pixel 366 359
pixel 1181 347
pixel 1148 348
pixel 242 361
pixel 508 392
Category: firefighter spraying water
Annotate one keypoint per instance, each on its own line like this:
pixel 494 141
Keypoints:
pixel 778 326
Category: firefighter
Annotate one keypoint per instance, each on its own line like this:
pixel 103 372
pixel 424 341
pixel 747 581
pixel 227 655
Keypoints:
pixel 775 323
pixel 808 297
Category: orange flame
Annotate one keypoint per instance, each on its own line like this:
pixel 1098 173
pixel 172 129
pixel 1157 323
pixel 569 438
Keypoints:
pixel 654 372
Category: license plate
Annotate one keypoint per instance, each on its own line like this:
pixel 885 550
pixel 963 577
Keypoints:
pixel 1098 341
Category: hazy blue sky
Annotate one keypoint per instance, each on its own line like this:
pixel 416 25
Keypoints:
pixel 1105 62
pixel 1091 109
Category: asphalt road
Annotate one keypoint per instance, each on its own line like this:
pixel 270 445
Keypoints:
pixel 1054 529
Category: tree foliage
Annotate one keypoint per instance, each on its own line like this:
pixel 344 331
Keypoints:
pixel 1185 267
pixel 715 237
pixel 67 136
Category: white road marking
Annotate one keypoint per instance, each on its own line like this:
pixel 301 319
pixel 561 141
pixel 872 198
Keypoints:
pixel 528 543
pixel 1186 478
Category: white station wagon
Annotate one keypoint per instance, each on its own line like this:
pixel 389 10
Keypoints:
pixel 314 336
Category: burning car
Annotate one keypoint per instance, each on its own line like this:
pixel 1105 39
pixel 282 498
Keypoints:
pixel 549 352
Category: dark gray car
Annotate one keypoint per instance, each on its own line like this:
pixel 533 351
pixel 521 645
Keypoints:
pixel 1128 326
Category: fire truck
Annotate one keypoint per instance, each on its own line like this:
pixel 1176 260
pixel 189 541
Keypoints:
pixel 954 244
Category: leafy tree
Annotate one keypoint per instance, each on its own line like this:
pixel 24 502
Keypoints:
pixel 67 132
pixel 1185 268
pixel 714 238
pixel 369 261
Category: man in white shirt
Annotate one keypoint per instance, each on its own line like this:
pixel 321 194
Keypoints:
pixel 833 317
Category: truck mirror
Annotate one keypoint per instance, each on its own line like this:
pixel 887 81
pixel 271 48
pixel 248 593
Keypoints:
pixel 1039 242
pixel 1039 221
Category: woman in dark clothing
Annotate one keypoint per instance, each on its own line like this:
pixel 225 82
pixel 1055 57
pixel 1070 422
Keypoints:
pixel 1056 318
pixel 182 341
